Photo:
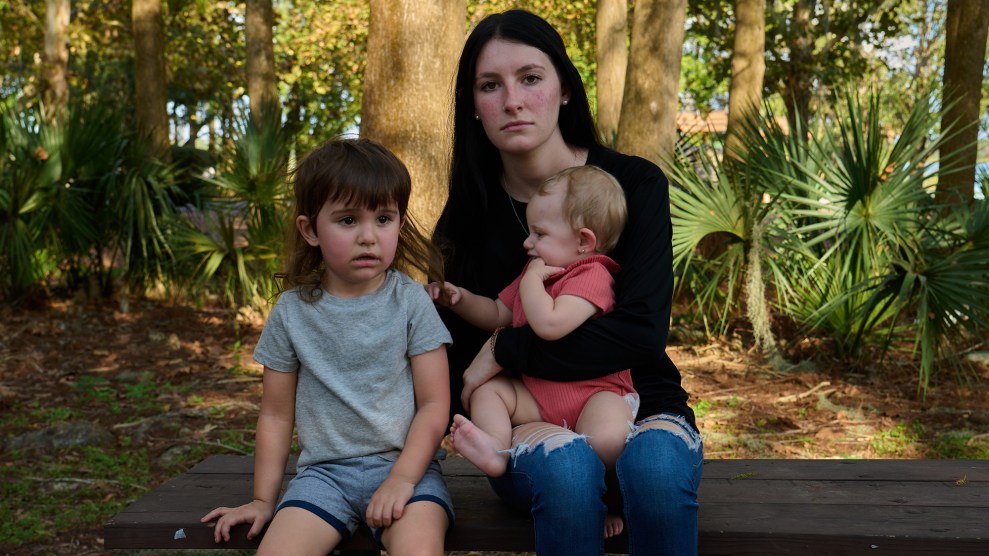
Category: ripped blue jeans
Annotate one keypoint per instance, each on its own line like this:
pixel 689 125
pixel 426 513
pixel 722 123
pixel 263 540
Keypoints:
pixel 559 480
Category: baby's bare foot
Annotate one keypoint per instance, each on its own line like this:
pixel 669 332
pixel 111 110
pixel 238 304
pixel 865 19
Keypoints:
pixel 479 447
pixel 613 525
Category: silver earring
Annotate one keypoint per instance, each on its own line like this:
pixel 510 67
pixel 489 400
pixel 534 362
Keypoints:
pixel 477 116
pixel 565 101
pixel 580 251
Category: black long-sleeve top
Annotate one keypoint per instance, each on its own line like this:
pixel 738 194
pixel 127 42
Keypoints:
pixel 632 336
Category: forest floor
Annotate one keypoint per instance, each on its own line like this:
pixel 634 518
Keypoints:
pixel 99 405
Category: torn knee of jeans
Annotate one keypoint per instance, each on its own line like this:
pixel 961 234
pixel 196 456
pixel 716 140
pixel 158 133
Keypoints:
pixel 673 424
pixel 550 437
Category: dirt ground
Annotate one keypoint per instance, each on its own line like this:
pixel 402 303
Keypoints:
pixel 194 367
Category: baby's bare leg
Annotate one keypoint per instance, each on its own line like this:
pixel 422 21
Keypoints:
pixel 495 406
pixel 605 421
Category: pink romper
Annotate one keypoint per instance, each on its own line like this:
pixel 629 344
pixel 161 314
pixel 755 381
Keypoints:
pixel 590 278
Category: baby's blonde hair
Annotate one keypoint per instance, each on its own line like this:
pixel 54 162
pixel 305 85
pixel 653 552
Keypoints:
pixel 592 199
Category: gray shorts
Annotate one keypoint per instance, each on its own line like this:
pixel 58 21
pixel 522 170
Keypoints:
pixel 339 492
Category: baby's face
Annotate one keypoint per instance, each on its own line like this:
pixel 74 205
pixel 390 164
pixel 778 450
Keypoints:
pixel 550 236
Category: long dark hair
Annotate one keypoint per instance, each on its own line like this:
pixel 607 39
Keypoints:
pixel 364 172
pixel 476 164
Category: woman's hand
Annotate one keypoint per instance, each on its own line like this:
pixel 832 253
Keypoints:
pixel 444 294
pixel 483 368
pixel 257 513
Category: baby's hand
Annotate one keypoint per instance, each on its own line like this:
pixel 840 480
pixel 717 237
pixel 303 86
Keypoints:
pixel 444 294
pixel 538 268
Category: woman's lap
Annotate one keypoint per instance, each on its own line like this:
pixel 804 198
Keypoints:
pixel 556 472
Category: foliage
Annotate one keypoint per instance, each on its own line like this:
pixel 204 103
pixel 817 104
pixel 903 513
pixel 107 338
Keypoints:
pixel 849 38
pixel 726 222
pixel 79 200
pixel 233 241
pixel 855 245
pixel 706 64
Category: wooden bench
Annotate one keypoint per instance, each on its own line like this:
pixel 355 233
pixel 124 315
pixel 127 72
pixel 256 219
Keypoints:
pixel 746 507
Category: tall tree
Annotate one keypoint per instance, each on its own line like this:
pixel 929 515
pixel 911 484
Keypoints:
pixel 748 65
pixel 412 52
pixel 150 82
pixel 649 105
pixel 56 57
pixel 797 84
pixel 612 61
pixel 964 57
pixel 262 88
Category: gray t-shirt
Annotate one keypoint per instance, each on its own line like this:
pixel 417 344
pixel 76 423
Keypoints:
pixel 354 395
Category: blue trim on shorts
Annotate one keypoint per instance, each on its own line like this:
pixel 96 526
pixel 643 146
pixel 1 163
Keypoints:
pixel 377 532
pixel 437 500
pixel 320 513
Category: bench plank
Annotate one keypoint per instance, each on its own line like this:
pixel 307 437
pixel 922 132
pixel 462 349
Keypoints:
pixel 746 507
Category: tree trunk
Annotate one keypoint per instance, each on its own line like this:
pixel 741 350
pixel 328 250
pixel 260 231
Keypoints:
pixel 964 56
pixel 612 61
pixel 797 92
pixel 262 88
pixel 748 67
pixel 412 52
pixel 150 82
pixel 56 59
pixel 649 105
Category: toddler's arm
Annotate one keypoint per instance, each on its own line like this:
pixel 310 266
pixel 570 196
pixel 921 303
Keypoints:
pixel 483 312
pixel 431 382
pixel 551 319
pixel 274 438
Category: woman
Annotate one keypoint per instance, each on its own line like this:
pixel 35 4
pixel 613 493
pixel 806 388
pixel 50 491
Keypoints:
pixel 521 115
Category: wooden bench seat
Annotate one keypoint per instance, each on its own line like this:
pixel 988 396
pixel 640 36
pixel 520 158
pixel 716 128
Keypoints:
pixel 746 507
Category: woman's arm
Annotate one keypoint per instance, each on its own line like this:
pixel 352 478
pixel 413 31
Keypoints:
pixel 274 440
pixel 635 332
pixel 431 382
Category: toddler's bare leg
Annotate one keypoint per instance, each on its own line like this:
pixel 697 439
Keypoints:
pixel 495 406
pixel 605 421
pixel 297 531
pixel 419 531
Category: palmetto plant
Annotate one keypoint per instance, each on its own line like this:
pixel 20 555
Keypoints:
pixel 234 240
pixel 80 204
pixel 855 245
pixel 727 228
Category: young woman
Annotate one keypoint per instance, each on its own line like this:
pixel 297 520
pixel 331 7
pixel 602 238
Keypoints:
pixel 354 356
pixel 520 116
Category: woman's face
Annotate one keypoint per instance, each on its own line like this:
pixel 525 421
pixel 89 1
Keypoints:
pixel 517 96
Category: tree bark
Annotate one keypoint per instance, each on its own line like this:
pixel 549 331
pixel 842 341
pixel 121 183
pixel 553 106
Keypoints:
pixel 56 58
pixel 964 56
pixel 797 92
pixel 649 105
pixel 412 52
pixel 150 81
pixel 612 61
pixel 748 67
pixel 262 88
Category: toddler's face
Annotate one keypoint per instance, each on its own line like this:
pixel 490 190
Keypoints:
pixel 358 244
